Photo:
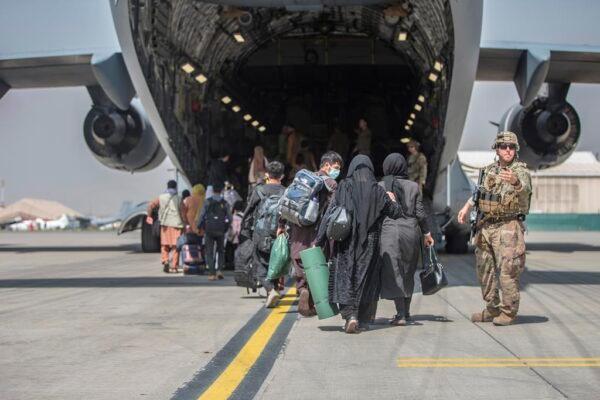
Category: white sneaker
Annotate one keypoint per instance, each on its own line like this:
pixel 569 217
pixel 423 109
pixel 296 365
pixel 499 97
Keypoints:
pixel 272 299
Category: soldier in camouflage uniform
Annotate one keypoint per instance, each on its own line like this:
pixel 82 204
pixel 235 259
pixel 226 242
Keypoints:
pixel 417 164
pixel 503 203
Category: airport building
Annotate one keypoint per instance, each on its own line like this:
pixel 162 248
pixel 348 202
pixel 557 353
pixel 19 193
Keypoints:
pixel 564 197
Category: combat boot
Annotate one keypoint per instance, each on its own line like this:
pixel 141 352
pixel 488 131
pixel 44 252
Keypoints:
pixel 484 316
pixel 503 320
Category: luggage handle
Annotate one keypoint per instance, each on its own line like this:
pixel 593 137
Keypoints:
pixel 433 261
pixel 433 255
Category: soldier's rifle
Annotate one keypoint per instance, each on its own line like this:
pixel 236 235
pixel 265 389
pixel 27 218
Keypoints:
pixel 476 215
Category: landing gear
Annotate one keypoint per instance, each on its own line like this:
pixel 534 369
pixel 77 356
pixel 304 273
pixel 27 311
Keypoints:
pixel 457 243
pixel 150 243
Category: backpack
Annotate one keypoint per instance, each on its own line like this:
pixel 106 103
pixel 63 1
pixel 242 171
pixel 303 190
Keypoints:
pixel 300 201
pixel 266 221
pixel 244 271
pixel 216 219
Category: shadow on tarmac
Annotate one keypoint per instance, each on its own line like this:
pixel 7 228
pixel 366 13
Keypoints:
pixel 130 282
pixel 530 319
pixel 130 248
pixel 561 247
pixel 554 277
pixel 384 323
pixel 430 317
pixel 561 277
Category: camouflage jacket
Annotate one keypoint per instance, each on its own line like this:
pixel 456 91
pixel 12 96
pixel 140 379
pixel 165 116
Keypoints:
pixel 499 198
pixel 417 168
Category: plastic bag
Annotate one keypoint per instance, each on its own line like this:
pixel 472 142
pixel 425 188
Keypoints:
pixel 279 261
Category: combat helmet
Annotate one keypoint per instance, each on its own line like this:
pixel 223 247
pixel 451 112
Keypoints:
pixel 506 137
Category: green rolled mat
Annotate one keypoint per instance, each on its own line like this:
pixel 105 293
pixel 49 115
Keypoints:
pixel 317 275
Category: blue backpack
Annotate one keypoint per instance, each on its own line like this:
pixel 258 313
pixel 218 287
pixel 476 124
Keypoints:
pixel 300 201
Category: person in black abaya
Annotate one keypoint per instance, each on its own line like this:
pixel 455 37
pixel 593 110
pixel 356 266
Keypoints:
pixel 401 238
pixel 354 281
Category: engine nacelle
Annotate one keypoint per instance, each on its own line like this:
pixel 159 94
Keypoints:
pixel 122 140
pixel 548 133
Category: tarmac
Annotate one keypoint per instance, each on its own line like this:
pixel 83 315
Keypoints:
pixel 87 315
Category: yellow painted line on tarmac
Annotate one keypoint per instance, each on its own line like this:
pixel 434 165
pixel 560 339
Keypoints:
pixel 236 371
pixel 499 362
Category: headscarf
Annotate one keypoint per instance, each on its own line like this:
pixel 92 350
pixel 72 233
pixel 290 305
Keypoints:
pixel 360 194
pixel 198 192
pixel 395 165
pixel 259 161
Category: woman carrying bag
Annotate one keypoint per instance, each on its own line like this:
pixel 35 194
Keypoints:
pixel 401 238
pixel 354 281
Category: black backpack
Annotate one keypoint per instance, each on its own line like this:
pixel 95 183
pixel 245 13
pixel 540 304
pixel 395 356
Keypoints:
pixel 244 273
pixel 266 221
pixel 216 218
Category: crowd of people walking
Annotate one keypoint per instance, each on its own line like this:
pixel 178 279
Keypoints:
pixel 384 234
pixel 377 260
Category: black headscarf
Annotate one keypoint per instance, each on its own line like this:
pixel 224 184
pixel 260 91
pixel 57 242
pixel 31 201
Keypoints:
pixel 360 194
pixel 395 164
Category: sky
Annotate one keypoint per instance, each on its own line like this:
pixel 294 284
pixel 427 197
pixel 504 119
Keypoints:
pixel 43 153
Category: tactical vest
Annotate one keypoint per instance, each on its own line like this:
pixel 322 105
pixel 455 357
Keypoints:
pixel 168 211
pixel 498 198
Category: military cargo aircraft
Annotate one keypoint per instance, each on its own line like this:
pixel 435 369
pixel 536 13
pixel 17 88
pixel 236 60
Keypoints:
pixel 208 76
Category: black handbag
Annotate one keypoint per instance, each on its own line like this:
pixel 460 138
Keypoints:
pixel 433 277
pixel 339 226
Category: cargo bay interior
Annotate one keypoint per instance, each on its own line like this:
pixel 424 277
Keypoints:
pixel 225 78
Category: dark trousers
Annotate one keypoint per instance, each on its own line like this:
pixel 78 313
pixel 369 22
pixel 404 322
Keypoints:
pixel 215 247
pixel 261 262
pixel 300 275
pixel 403 306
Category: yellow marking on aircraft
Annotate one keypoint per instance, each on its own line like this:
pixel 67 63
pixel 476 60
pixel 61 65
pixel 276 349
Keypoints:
pixel 236 371
pixel 499 362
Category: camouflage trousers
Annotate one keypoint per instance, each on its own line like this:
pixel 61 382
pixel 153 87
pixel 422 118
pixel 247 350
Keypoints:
pixel 500 255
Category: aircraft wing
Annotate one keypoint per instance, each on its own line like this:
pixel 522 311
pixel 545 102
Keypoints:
pixel 43 46
pixel 529 65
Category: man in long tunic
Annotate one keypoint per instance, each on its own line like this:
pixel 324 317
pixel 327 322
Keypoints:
pixel 503 203
pixel 170 214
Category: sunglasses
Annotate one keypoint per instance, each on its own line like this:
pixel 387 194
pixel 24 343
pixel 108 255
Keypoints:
pixel 506 146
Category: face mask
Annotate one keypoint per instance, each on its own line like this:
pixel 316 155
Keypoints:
pixel 334 173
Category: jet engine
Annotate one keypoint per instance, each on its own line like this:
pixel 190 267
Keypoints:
pixel 122 140
pixel 548 131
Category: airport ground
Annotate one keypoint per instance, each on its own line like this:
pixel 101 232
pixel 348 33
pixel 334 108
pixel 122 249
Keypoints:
pixel 87 315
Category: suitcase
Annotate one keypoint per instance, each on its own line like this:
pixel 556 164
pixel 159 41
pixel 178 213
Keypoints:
pixel 191 254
